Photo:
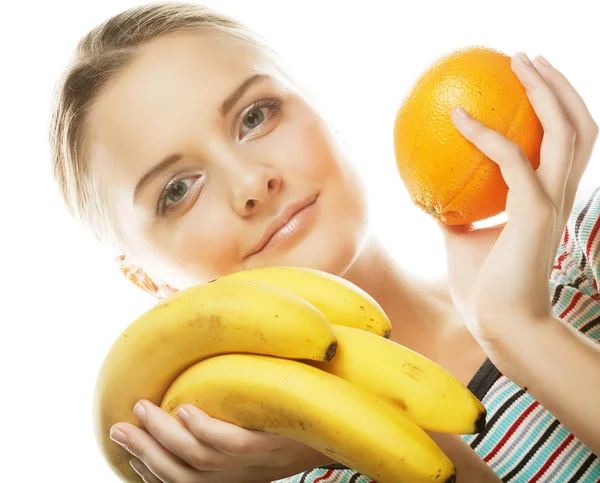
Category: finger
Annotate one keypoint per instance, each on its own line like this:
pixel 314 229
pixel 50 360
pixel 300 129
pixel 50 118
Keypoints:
pixel 163 464
pixel 227 437
pixel 237 474
pixel 180 441
pixel 516 169
pixel 558 143
pixel 141 469
pixel 585 126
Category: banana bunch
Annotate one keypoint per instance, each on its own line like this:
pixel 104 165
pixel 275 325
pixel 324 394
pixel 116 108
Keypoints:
pixel 293 351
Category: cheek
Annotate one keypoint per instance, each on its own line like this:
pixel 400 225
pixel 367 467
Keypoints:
pixel 312 154
pixel 207 238
pixel 202 245
pixel 310 151
pixel 323 161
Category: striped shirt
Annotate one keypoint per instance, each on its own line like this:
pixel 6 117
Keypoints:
pixel 522 441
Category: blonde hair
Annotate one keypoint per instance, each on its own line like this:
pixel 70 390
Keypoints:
pixel 100 54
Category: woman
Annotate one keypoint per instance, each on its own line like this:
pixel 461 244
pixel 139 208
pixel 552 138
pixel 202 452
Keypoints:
pixel 178 136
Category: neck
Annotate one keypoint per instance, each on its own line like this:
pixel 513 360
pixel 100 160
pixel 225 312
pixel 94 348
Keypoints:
pixel 420 309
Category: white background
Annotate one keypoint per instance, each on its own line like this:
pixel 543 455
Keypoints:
pixel 63 302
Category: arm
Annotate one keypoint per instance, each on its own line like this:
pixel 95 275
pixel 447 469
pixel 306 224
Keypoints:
pixel 548 353
pixel 560 368
pixel 500 276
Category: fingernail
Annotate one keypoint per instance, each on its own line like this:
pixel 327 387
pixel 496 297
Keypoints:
pixel 183 415
pixel 461 113
pixel 523 57
pixel 119 437
pixel 543 61
pixel 140 411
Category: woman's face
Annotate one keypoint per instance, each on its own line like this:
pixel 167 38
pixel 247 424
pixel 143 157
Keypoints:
pixel 212 161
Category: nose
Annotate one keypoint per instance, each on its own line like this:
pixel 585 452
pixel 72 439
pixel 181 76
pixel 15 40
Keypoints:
pixel 254 187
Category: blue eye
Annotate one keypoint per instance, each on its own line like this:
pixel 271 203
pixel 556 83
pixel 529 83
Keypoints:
pixel 254 118
pixel 258 113
pixel 175 191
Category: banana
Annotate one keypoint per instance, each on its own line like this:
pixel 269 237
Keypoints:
pixel 191 325
pixel 425 392
pixel 341 301
pixel 321 410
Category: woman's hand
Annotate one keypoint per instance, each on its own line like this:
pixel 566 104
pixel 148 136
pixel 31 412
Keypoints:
pixel 499 276
pixel 207 450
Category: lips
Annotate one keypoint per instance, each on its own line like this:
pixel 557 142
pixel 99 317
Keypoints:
pixel 282 220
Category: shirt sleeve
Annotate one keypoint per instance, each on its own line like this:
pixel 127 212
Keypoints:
pixel 585 223
pixel 578 257
pixel 333 473
pixel 575 280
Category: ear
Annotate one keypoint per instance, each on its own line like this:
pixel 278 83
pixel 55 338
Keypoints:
pixel 142 280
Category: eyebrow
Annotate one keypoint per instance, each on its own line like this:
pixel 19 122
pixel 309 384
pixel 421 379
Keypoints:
pixel 240 91
pixel 226 106
pixel 164 164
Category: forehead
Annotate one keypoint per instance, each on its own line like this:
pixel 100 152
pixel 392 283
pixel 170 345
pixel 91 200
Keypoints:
pixel 205 65
pixel 210 53
pixel 176 82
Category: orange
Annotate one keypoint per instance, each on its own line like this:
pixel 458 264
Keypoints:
pixel 445 174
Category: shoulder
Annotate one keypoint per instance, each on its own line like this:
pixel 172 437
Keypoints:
pixel 584 223
pixel 575 279
pixel 577 263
